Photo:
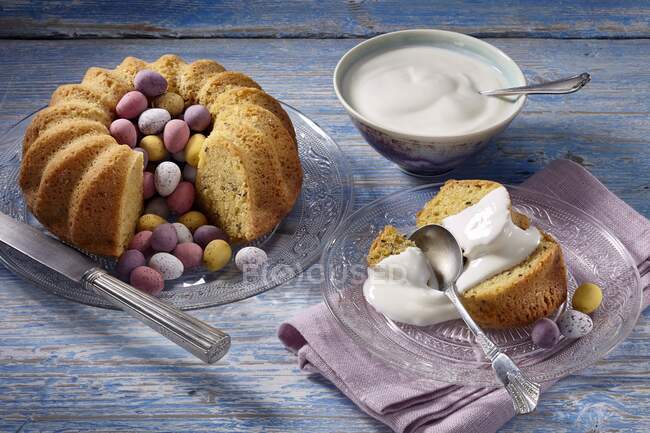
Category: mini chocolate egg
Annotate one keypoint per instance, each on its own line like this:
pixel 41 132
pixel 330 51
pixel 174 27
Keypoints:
pixel 193 149
pixel 149 82
pixel 545 333
pixel 124 132
pixel 193 220
pixel 149 222
pixel 148 187
pixel 131 105
pixel 205 234
pixel 216 255
pixel 183 233
pixel 197 117
pixel 147 279
pixel 189 173
pixel 190 254
pixel 127 262
pixel 250 259
pixel 574 324
pixel 157 206
pixel 145 156
pixel 154 147
pixel 164 238
pixel 175 135
pixel 587 298
pixel 141 241
pixel 182 199
pixel 153 121
pixel 170 101
pixel 169 266
pixel 167 178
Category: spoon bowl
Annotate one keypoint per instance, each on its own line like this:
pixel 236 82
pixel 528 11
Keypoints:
pixel 442 251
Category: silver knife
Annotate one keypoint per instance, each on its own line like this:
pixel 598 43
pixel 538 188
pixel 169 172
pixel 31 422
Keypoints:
pixel 200 339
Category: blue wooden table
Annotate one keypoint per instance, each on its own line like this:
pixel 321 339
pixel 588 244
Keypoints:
pixel 68 367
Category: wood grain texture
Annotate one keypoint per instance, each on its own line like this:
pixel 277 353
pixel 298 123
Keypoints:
pixel 67 367
pixel 321 19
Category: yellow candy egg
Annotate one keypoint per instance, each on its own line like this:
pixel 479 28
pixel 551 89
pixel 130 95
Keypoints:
pixel 216 255
pixel 193 220
pixel 193 149
pixel 155 147
pixel 170 101
pixel 587 298
pixel 149 222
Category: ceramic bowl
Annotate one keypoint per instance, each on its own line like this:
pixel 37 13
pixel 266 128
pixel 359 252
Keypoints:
pixel 424 155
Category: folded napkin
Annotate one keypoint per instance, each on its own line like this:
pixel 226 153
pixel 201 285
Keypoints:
pixel 410 404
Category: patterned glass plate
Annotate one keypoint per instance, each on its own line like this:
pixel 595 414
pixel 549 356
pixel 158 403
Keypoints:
pixel 448 351
pixel 294 245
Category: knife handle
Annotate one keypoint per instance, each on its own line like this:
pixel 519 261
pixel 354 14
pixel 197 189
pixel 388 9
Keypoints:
pixel 200 339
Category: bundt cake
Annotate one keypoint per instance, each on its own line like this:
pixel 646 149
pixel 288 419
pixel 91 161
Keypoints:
pixel 86 188
pixel 516 297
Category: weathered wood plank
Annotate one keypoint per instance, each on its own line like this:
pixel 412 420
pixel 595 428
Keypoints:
pixel 321 19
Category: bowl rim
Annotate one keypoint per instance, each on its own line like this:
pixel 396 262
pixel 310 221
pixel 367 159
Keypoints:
pixel 477 134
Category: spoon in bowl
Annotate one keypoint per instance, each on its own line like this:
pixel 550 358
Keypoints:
pixel 446 258
pixel 556 87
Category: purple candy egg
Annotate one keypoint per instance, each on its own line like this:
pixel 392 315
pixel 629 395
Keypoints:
pixel 190 254
pixel 127 262
pixel 545 333
pixel 147 279
pixel 175 135
pixel 157 206
pixel 124 132
pixel 145 156
pixel 207 233
pixel 148 185
pixel 197 117
pixel 131 105
pixel 141 241
pixel 149 82
pixel 189 173
pixel 164 238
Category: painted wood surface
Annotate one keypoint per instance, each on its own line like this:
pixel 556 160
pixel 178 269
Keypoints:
pixel 321 19
pixel 67 367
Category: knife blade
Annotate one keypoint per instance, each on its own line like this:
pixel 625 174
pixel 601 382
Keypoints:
pixel 202 340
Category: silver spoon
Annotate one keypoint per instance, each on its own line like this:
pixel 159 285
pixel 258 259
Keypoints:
pixel 446 258
pixel 556 87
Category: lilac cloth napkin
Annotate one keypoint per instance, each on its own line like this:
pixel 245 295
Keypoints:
pixel 410 404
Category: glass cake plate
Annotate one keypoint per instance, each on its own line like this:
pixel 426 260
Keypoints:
pixel 292 247
pixel 448 352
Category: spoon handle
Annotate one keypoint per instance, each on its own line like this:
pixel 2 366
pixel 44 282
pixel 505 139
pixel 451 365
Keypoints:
pixel 556 87
pixel 523 392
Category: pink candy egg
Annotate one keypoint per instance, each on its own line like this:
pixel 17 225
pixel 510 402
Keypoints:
pixel 197 117
pixel 164 238
pixel 149 82
pixel 190 254
pixel 124 132
pixel 148 185
pixel 131 105
pixel 147 279
pixel 182 199
pixel 141 241
pixel 175 135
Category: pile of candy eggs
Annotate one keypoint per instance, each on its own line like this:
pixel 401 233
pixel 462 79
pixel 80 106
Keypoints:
pixel 574 322
pixel 156 123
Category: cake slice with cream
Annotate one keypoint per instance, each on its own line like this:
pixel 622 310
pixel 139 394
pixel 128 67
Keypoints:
pixel 514 273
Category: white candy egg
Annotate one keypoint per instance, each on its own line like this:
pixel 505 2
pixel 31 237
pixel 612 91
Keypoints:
pixel 153 121
pixel 183 233
pixel 166 178
pixel 574 324
pixel 250 259
pixel 168 266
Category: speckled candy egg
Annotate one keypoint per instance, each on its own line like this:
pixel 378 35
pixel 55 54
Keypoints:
pixel 149 222
pixel 141 241
pixel 131 105
pixel 170 101
pixel 190 254
pixel 157 206
pixel 587 298
pixel 169 266
pixel 189 173
pixel 197 117
pixel 216 255
pixel 182 199
pixel 147 279
pixel 127 262
pixel 154 147
pixel 193 220
pixel 153 121
pixel 205 234
pixel 545 333
pixel 166 178
pixel 183 233
pixel 145 156
pixel 250 259
pixel 149 82
pixel 148 187
pixel 574 324
pixel 175 135
pixel 124 132
pixel 164 238
pixel 193 149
